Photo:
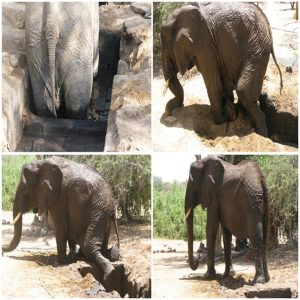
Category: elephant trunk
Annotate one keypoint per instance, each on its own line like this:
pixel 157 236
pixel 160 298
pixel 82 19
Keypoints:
pixel 52 34
pixel 17 232
pixel 189 216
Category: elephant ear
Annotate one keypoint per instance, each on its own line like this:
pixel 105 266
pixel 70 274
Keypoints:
pixel 50 187
pixel 183 50
pixel 213 180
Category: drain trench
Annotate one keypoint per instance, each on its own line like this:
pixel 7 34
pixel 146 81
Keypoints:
pixel 45 134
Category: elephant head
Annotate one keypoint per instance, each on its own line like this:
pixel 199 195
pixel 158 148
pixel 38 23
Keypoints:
pixel 181 44
pixel 39 187
pixel 204 185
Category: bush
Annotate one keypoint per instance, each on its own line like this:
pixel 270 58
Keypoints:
pixel 169 215
pixel 11 170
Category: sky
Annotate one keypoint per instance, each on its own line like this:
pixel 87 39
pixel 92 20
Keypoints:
pixel 172 166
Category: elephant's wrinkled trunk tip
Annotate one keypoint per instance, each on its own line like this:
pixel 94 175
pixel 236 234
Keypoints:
pixel 193 263
pixel 166 87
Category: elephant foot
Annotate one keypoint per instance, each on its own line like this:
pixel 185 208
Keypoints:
pixel 109 278
pixel 210 274
pixel 229 272
pixel 260 279
pixel 230 111
pixel 173 103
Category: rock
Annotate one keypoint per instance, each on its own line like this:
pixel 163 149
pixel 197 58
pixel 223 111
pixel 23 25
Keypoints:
pixel 122 67
pixel 129 122
pixel 141 8
pixel 289 69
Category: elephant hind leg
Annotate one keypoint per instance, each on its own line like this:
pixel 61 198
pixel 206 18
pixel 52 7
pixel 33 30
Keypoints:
pixel 256 238
pixel 227 237
pixel 248 90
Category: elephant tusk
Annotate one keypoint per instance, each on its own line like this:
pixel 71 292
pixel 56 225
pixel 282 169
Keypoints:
pixel 16 218
pixel 188 213
pixel 166 87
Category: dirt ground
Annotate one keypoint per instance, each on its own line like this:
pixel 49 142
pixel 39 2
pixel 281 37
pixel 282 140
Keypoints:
pixel 192 127
pixel 33 264
pixel 170 270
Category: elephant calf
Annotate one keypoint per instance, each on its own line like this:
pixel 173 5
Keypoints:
pixel 230 44
pixel 236 196
pixel 82 208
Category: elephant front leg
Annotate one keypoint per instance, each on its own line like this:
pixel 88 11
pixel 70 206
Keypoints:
pixel 227 237
pixel 212 226
pixel 61 243
pixel 176 88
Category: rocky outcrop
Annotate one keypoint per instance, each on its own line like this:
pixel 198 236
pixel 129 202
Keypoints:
pixel 15 80
pixel 129 122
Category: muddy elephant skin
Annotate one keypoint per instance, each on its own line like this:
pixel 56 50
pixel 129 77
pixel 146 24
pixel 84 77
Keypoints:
pixel 230 44
pixel 236 196
pixel 82 207
pixel 62 54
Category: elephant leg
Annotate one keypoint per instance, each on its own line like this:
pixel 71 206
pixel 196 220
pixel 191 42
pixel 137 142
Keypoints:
pixel 265 265
pixel 43 103
pixel 78 91
pixel 227 237
pixel 256 238
pixel 95 241
pixel 248 90
pixel 212 226
pixel 61 243
pixel 60 235
pixel 176 88
pixel 214 91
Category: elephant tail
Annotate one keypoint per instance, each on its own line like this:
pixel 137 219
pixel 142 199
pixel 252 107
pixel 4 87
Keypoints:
pixel 116 229
pixel 274 58
pixel 266 212
pixel 52 34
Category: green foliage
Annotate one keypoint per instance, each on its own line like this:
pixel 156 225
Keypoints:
pixel 11 170
pixel 169 212
pixel 161 10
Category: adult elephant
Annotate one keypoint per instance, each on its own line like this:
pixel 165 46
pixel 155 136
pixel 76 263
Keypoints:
pixel 81 204
pixel 230 44
pixel 236 196
pixel 62 54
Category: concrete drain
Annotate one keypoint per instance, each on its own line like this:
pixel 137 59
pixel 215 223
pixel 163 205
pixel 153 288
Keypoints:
pixel 280 123
pixel 271 293
pixel 45 134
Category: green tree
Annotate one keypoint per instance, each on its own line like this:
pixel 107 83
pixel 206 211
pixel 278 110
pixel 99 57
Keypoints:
pixel 169 216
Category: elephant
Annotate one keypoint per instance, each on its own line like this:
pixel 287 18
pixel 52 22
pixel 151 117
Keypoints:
pixel 82 206
pixel 237 198
pixel 62 55
pixel 230 44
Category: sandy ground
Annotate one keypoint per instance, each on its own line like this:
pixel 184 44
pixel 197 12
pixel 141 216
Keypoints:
pixel 34 264
pixel 173 278
pixel 193 127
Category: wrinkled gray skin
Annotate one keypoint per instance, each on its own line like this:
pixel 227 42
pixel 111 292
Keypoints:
pixel 230 44
pixel 62 54
pixel 82 208
pixel 235 196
